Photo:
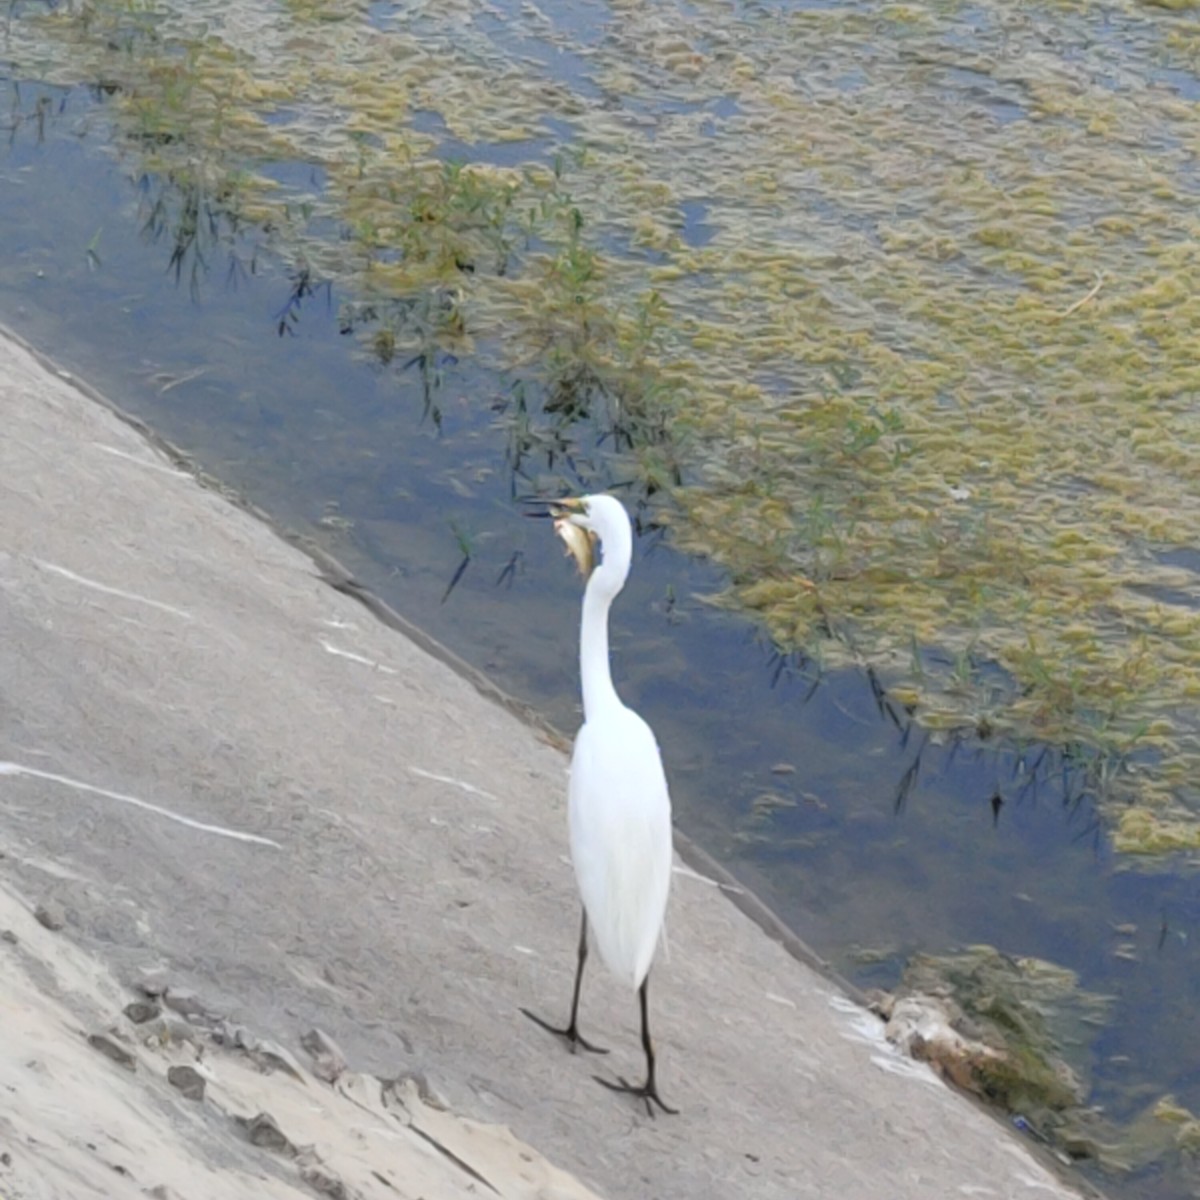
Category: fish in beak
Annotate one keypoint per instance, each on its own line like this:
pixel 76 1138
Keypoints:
pixel 580 542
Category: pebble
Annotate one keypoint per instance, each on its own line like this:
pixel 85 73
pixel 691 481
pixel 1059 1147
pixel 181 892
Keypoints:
pixel 226 1034
pixel 269 1055
pixel 171 1031
pixel 141 1011
pixel 7 935
pixel 51 915
pixel 111 1048
pixel 328 1060
pixel 152 983
pixel 393 1091
pixel 188 1080
pixel 320 1178
pixel 187 1004
pixel 263 1131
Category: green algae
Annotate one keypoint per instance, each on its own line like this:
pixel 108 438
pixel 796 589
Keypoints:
pixel 1024 1030
pixel 1031 1013
pixel 1163 1137
pixel 927 391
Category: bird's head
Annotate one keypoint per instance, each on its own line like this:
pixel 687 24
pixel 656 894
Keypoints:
pixel 587 521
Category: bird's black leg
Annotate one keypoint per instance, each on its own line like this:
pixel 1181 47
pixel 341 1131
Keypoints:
pixel 649 1090
pixel 571 1033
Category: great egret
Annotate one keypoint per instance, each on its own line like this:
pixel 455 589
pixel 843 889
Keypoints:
pixel 618 807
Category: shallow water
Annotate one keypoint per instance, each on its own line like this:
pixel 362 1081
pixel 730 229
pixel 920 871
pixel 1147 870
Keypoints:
pixel 881 838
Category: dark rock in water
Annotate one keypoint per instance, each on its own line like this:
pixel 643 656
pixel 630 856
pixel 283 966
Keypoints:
pixel 111 1048
pixel 262 1131
pixel 328 1060
pixel 141 1011
pixel 188 1080
pixel 51 915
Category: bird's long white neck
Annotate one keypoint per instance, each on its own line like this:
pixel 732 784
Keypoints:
pixel 596 677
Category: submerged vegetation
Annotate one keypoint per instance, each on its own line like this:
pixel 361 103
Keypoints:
pixel 893 306
pixel 1018 1032
pixel 1010 1030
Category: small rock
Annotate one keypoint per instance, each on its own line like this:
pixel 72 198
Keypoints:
pixel 271 1056
pixel 5 1157
pixel 141 1011
pixel 152 983
pixel 51 915
pixel 328 1060
pixel 237 1036
pixel 187 1004
pixel 162 1192
pixel 393 1091
pixel 262 1131
pixel 7 935
pixel 111 1048
pixel 171 1031
pixel 319 1177
pixel 188 1080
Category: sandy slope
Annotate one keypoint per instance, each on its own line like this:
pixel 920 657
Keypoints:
pixel 74 1122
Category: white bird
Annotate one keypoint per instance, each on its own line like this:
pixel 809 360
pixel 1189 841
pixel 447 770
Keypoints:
pixel 619 810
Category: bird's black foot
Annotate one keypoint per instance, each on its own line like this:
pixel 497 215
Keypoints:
pixel 648 1091
pixel 571 1034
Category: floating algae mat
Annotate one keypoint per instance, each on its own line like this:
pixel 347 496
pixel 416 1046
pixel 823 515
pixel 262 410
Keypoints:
pixel 891 308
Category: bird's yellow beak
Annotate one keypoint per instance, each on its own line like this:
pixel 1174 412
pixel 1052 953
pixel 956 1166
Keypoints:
pixel 580 542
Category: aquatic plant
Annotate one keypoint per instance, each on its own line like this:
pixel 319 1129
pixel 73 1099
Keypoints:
pixel 1010 1029
pixel 925 384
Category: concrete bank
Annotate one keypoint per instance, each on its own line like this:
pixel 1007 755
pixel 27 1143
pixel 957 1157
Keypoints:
pixel 215 764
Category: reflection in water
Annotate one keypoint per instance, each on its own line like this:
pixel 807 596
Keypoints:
pixel 876 839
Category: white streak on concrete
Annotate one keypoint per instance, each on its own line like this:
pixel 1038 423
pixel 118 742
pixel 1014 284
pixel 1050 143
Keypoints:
pixel 861 1025
pixel 11 768
pixel 111 591
pixel 358 658
pixel 898 1065
pixel 141 461
pixel 688 873
pixel 458 783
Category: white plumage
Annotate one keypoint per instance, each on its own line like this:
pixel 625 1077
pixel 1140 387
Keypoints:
pixel 620 825
pixel 619 809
